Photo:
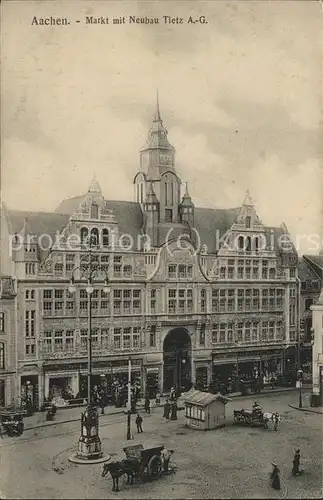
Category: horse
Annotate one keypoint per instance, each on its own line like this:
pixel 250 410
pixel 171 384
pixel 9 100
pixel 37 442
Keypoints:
pixel 118 469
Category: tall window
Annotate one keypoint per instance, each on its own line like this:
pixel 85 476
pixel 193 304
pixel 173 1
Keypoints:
pixel 166 193
pixel 2 326
pixel 248 222
pixel 2 355
pixel 105 237
pixel 94 211
pixel 84 234
pixel 95 236
pixel 30 323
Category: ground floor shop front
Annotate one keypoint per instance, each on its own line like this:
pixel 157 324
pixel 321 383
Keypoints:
pixel 68 380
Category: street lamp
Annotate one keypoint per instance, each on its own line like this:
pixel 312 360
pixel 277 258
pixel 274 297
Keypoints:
pixel 300 383
pixel 129 402
pixel 89 443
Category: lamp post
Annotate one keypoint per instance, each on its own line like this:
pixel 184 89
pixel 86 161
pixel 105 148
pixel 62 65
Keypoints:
pixel 129 402
pixel 300 383
pixel 89 443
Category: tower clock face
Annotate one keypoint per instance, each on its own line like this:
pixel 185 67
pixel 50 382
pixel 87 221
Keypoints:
pixel 165 159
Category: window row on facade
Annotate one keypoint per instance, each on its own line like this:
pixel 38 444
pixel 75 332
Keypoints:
pixel 67 339
pixel 247 331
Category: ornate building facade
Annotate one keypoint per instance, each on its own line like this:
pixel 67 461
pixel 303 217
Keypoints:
pixel 195 294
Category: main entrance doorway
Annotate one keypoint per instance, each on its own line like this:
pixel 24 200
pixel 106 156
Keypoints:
pixel 177 359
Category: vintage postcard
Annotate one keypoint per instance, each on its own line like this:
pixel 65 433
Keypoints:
pixel 161 303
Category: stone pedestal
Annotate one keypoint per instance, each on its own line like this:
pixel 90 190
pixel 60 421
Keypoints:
pixel 89 444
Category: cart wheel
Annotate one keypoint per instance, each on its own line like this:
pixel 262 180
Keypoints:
pixel 155 467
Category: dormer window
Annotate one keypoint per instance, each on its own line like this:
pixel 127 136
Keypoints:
pixel 248 222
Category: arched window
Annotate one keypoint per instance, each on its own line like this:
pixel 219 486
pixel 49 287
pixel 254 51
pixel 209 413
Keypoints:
pixel 32 294
pixel 138 200
pixel 84 234
pixel 172 193
pixel 257 244
pixel 248 222
pixel 248 244
pixel 240 243
pixel 141 193
pixel 27 294
pixel 105 237
pixel 95 236
pixel 166 193
pixel 127 271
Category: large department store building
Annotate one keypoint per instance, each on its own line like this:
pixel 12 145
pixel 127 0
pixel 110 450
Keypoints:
pixel 195 293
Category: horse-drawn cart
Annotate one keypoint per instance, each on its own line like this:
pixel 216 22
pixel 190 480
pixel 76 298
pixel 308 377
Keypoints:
pixel 147 463
pixel 252 418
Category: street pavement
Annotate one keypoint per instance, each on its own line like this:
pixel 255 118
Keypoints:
pixel 232 462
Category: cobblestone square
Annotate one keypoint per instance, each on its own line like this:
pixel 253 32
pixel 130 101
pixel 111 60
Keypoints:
pixel 230 462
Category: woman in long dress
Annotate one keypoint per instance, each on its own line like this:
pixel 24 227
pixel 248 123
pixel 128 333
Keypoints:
pixel 275 477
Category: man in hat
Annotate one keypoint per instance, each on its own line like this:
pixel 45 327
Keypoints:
pixel 296 461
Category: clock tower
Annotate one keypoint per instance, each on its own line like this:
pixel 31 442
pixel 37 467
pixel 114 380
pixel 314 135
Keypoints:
pixel 158 155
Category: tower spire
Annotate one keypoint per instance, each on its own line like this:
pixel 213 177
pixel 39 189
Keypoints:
pixel 157 114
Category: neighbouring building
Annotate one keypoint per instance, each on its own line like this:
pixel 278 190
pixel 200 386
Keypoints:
pixel 310 273
pixel 196 294
pixel 8 342
pixel 317 356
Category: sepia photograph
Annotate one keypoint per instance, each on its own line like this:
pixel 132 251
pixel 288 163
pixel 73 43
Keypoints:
pixel 161 251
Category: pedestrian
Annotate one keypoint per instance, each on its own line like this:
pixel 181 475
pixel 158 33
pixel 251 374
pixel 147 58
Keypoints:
pixel 275 477
pixel 174 411
pixel 296 461
pixel 139 423
pixel 102 404
pixel 172 394
pixel 157 398
pixel 166 455
pixel 276 421
pixel 147 404
pixel 166 409
pixel 1 431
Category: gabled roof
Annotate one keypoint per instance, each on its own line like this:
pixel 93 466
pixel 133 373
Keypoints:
pixel 204 398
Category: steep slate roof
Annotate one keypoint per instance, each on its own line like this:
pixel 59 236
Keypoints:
pixel 211 224
pixel 305 272
pixel 316 259
pixel 204 398
pixel 38 222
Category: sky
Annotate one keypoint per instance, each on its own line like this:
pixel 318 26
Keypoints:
pixel 241 97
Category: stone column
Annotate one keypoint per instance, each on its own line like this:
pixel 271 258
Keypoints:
pixel 209 373
pixel 161 378
pixel 75 384
pixel 41 388
pixel 46 385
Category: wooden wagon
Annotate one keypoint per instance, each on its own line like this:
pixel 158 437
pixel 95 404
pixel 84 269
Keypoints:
pixel 146 463
pixel 248 417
